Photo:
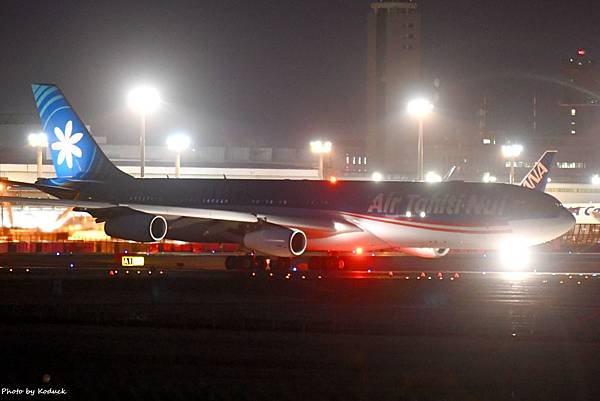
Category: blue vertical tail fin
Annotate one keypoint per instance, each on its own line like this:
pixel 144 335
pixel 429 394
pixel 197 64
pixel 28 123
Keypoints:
pixel 537 178
pixel 74 152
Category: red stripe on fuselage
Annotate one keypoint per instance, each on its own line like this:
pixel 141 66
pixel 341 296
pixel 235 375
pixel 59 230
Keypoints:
pixel 419 225
pixel 440 223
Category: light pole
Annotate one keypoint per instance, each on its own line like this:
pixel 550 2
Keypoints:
pixel 420 108
pixel 40 142
pixel 321 149
pixel 511 152
pixel 178 143
pixel 144 100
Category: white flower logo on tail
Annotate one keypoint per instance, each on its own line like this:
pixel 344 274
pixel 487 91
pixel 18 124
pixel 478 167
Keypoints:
pixel 66 144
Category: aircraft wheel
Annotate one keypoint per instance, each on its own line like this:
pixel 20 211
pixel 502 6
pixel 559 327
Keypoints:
pixel 317 263
pixel 280 264
pixel 238 262
pixel 244 262
pixel 260 263
pixel 332 263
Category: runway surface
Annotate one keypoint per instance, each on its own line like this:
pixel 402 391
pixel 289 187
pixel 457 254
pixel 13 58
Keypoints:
pixel 540 261
pixel 436 333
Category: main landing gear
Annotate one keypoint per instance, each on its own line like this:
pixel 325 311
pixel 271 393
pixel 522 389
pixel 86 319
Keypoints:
pixel 246 262
pixel 326 263
pixel 253 262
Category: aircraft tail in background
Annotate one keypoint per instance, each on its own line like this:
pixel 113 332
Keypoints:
pixel 537 178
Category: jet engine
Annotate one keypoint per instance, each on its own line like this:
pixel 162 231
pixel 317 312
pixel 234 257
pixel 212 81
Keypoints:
pixel 428 253
pixel 282 242
pixel 137 227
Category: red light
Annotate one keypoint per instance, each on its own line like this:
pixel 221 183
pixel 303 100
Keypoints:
pixel 358 251
pixel 332 179
pixel 581 52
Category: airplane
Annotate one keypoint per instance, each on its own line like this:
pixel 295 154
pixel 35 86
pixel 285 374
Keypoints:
pixel 585 213
pixel 286 218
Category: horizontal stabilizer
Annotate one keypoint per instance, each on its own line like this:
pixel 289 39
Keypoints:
pixel 20 200
pixel 41 185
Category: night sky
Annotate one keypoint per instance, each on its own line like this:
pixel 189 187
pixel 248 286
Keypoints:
pixel 277 72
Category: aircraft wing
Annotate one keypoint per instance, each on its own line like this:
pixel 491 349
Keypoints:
pixel 330 223
pixel 151 209
pixel 209 214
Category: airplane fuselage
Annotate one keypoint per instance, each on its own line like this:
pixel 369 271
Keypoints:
pixel 391 214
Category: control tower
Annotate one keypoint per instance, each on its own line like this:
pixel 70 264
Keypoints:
pixel 393 76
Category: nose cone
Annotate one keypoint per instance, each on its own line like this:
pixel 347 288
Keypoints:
pixel 558 226
pixel 541 230
pixel 566 221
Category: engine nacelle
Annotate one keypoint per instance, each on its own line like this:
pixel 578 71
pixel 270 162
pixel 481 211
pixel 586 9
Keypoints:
pixel 137 227
pixel 428 253
pixel 283 242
